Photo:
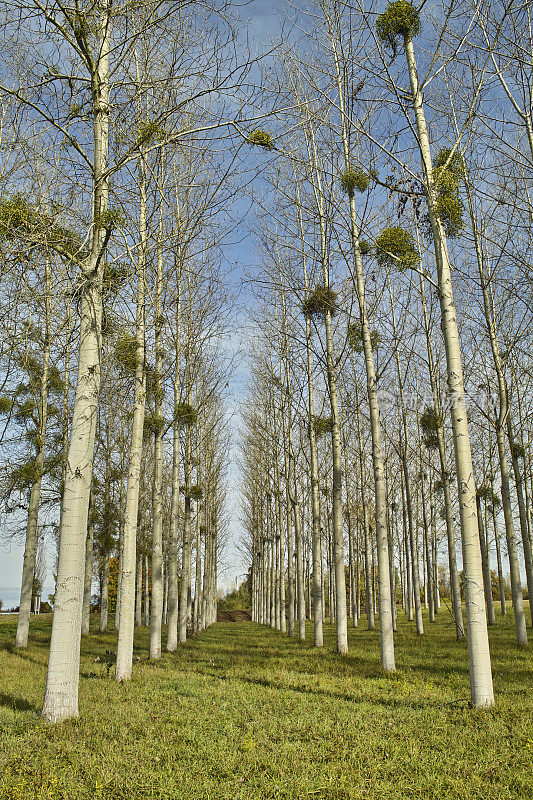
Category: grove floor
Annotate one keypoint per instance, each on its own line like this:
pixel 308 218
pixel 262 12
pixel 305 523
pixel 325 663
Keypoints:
pixel 244 712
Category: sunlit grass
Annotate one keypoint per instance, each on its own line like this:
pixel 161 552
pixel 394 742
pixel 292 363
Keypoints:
pixel 243 712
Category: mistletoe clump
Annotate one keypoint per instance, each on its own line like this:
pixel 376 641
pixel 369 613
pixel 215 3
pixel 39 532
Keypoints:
pixel 320 301
pixel 322 426
pixel 126 353
pixel 6 404
pixel 261 139
pixel 26 410
pixel 24 476
pixel 110 219
pixel 354 179
pixel 184 414
pixel 56 383
pixel 438 486
pixel 114 276
pixel 450 212
pixel 448 176
pixel 149 131
pixel 355 337
pixel 17 216
pixel 153 424
pixel 486 493
pixel 193 492
pixel 395 247
pixel 20 220
pixel 364 247
pixel 431 422
pixel 517 451
pixel 75 110
pixel 454 166
pixel 399 19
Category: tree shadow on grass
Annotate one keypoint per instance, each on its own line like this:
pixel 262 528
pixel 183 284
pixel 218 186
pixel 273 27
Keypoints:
pixel 17 703
pixel 355 699
pixel 9 647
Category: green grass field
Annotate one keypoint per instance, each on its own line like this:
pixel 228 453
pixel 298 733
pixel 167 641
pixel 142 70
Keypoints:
pixel 243 712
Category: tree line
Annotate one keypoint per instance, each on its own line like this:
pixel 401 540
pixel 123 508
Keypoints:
pixel 388 420
pixel 385 153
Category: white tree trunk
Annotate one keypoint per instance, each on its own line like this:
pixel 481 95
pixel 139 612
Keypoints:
pixel 129 558
pixel 173 599
pixel 522 510
pixel 501 421
pixel 481 689
pixel 341 620
pixel 104 600
pixel 88 580
pixel 318 588
pixel 186 547
pixel 407 485
pixel 138 592
pixel 455 587
pixel 485 566
pixel 146 604
pixel 156 614
pixel 61 695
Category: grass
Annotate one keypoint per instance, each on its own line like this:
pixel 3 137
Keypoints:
pixel 243 712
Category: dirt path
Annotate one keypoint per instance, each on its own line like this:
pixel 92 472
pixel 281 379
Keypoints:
pixel 233 616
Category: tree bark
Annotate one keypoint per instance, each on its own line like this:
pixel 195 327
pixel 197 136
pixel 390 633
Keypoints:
pixel 156 615
pixel 487 584
pixel 129 558
pixel 88 580
pixel 481 689
pixel 455 586
pixel 501 421
pixel 104 601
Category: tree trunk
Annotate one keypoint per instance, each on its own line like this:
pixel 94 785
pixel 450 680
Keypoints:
pixel 129 558
pixel 104 600
pixel 429 568
pixel 481 689
pixel 173 604
pixel 30 555
pixel 408 572
pixel 146 605
pixel 341 623
pixel 316 533
pixel 519 484
pixel 198 574
pixel 385 610
pixel 501 583
pixel 138 592
pixel 88 580
pixel 501 421
pixel 299 570
pixel 487 584
pixel 514 570
pixel 61 696
pixel 186 547
pixel 156 614
pixel 407 485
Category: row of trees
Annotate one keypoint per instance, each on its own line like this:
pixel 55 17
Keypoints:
pixel 114 208
pixel 125 130
pixel 400 206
